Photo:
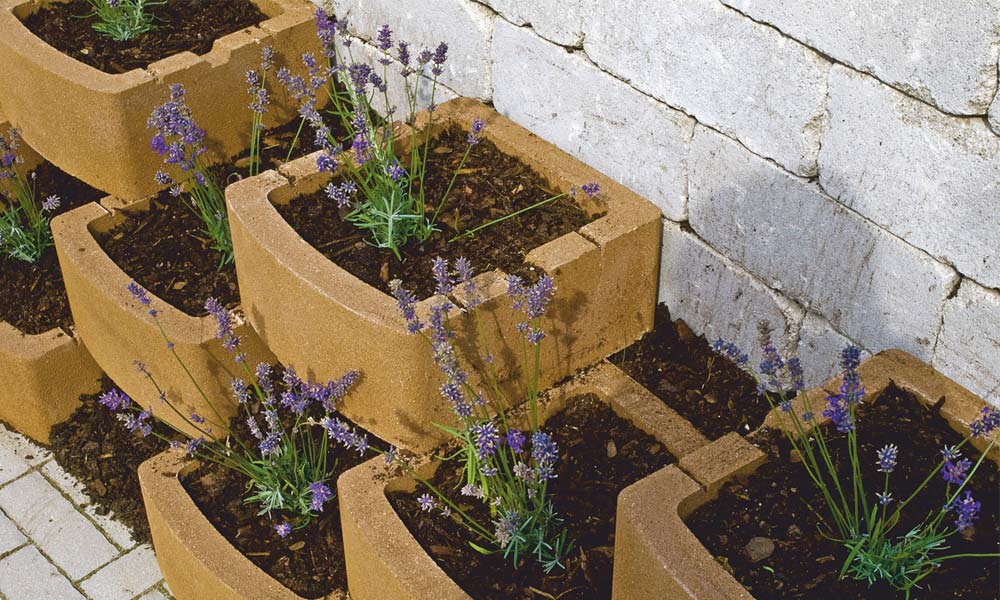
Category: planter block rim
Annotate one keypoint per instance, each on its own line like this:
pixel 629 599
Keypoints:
pixel 192 553
pixel 697 478
pixel 385 561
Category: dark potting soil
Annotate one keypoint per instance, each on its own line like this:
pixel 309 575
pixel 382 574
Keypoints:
pixel 182 25
pixel 774 504
pixel 492 185
pixel 705 388
pixel 310 561
pixel 32 296
pixel 165 248
pixel 98 451
pixel 600 455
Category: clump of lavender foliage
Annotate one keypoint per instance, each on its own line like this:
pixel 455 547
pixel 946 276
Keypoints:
pixel 123 20
pixel 865 525
pixel 294 431
pixel 24 223
pixel 505 467
pixel 181 143
pixel 383 191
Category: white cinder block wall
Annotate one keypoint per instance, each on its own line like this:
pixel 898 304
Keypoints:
pixel 830 165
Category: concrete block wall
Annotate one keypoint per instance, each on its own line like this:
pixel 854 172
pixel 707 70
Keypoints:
pixel 833 167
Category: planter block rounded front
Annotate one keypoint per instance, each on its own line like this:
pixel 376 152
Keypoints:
pixel 322 320
pixel 93 124
pixel 43 374
pixel 663 556
pixel 119 331
pixel 385 561
pixel 198 563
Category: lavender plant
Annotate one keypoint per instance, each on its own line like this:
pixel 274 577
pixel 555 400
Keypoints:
pixel 867 525
pixel 260 98
pixel 24 223
pixel 383 192
pixel 123 20
pixel 506 468
pixel 288 455
pixel 181 143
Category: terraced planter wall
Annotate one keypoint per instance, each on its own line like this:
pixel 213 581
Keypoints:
pixel 93 124
pixel 119 331
pixel 43 374
pixel 196 560
pixel 321 320
pixel 385 561
pixel 662 558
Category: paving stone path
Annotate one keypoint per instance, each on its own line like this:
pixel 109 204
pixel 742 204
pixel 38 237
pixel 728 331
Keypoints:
pixel 54 546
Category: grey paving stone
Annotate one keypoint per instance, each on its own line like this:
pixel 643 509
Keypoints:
pixel 10 537
pixel 118 533
pixel 74 543
pixel 26 575
pixel 124 578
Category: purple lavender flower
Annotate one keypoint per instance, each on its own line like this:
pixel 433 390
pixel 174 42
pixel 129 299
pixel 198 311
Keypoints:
pixel 395 171
pixel 966 511
pixel 270 444
pixel 177 136
pixel 51 203
pixel 439 58
pixel 343 193
pixel 283 529
pixel 515 440
pixel 506 527
pixel 951 453
pixel 987 423
pixel 254 428
pixel 224 322
pixel 139 294
pixel 326 163
pixel 887 458
pixel 384 38
pixel 320 495
pixel 852 392
pixel 473 491
pixel 884 498
pixel 545 453
pixel 139 423
pixel 406 302
pixel 445 284
pixel 326 30
pixel 475 136
pixel 486 438
pixel 192 446
pixel 115 400
pixel 954 472
pixel 390 455
pixel 404 57
pixel 427 502
pixel 591 189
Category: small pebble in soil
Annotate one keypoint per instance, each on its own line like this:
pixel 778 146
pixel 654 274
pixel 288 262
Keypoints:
pixel 759 548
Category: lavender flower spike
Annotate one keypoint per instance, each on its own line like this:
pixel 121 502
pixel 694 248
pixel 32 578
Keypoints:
pixel 320 495
pixel 887 458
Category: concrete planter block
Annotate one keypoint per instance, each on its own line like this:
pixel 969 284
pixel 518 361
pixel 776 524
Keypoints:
pixel 119 331
pixel 323 321
pixel 385 561
pixel 196 560
pixel 64 106
pixel 668 561
pixel 44 374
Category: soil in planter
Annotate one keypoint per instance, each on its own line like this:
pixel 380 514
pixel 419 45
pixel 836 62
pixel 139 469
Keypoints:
pixel 600 455
pixel 32 296
pixel 774 504
pixel 182 25
pixel 310 561
pixel 165 248
pixel 98 451
pixel 705 388
pixel 493 184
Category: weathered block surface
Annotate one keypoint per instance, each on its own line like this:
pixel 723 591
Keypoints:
pixel 719 299
pixel 593 116
pixel 875 288
pixel 929 178
pixel 819 347
pixel 560 21
pixel 968 348
pixel 737 76
pixel 466 27
pixel 941 51
pixel 993 117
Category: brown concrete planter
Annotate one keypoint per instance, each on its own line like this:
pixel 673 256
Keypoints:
pixel 43 374
pixel 93 124
pixel 664 559
pixel 321 320
pixel 384 560
pixel 196 560
pixel 118 330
